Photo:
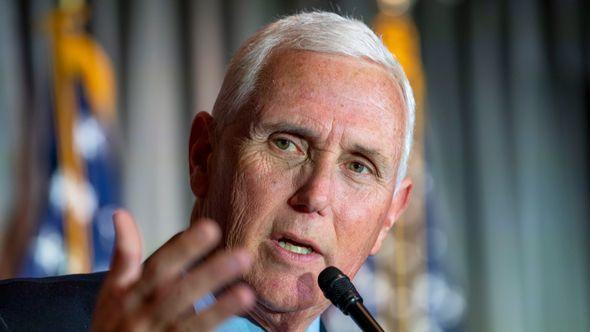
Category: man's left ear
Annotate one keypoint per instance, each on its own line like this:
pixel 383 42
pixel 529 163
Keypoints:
pixel 398 205
pixel 199 153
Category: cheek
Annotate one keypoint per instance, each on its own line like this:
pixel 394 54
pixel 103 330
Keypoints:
pixel 265 179
pixel 259 187
pixel 359 206
pixel 358 220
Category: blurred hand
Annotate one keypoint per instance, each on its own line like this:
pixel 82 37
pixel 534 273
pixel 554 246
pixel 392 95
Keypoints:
pixel 159 295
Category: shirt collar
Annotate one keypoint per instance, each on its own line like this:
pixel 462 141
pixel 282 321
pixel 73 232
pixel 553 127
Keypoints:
pixel 237 323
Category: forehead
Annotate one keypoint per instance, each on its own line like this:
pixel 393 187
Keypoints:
pixel 327 92
pixel 301 73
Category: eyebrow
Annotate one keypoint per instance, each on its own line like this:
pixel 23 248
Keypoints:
pixel 369 152
pixel 378 158
pixel 284 127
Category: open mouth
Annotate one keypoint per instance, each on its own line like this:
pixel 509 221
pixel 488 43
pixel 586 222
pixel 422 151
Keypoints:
pixel 294 246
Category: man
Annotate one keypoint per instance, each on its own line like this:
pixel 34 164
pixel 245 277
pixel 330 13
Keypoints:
pixel 301 166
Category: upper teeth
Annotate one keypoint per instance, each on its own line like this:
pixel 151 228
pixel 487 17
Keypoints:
pixel 295 248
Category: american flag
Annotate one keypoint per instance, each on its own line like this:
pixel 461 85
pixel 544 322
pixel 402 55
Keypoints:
pixel 74 231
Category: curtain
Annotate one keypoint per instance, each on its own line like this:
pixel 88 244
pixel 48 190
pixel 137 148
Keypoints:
pixel 508 101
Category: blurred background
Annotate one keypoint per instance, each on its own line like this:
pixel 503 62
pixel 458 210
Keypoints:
pixel 97 97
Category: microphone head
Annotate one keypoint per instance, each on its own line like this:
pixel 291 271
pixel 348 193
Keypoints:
pixel 338 288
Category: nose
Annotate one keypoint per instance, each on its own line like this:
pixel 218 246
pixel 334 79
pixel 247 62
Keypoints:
pixel 314 195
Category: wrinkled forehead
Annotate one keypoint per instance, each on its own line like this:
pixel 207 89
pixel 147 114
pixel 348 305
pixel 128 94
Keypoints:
pixel 286 69
pixel 356 92
pixel 289 68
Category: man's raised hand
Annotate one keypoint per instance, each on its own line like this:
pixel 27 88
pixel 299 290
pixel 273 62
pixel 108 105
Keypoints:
pixel 159 295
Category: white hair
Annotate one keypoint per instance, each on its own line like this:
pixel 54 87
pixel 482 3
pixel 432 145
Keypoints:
pixel 318 32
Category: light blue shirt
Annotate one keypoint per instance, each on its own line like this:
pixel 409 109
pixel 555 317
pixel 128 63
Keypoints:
pixel 237 323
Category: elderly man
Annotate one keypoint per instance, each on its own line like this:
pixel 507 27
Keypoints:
pixel 301 166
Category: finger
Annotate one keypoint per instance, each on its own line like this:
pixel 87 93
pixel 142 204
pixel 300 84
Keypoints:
pixel 212 275
pixel 235 301
pixel 126 262
pixel 125 269
pixel 172 258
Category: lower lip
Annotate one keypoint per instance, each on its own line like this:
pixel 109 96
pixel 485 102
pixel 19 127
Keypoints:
pixel 290 256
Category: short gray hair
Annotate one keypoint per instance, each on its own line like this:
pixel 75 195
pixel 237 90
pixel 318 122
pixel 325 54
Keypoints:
pixel 318 32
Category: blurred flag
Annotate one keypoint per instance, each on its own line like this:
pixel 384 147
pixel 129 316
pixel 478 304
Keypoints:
pixel 418 295
pixel 402 264
pixel 74 231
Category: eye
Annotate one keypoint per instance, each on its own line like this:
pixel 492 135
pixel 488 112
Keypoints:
pixel 358 167
pixel 285 144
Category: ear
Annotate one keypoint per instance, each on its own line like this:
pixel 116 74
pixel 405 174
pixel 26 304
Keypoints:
pixel 399 203
pixel 199 152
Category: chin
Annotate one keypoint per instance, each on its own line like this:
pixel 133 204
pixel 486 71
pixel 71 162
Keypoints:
pixel 286 292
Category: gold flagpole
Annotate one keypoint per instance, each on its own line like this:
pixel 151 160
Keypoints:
pixel 77 58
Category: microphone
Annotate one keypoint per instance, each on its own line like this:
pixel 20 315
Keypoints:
pixel 337 288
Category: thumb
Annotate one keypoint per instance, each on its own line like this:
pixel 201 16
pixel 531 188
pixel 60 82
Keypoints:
pixel 126 261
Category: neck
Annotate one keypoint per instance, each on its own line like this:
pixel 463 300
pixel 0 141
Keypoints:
pixel 282 321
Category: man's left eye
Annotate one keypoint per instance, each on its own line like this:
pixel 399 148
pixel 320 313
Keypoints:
pixel 358 167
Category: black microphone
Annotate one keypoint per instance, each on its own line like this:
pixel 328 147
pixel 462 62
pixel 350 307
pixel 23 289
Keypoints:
pixel 338 289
